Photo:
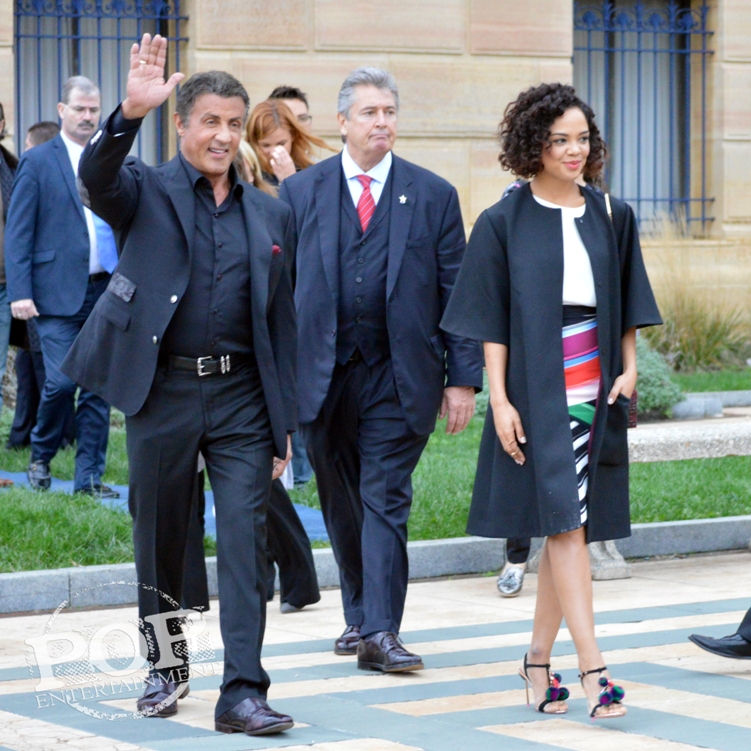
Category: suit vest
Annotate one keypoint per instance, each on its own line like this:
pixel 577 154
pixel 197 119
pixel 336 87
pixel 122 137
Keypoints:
pixel 363 264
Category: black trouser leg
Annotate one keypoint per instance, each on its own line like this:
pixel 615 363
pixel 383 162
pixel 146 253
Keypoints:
pixel 27 401
pixel 226 418
pixel 363 455
pixel 517 549
pixel 331 440
pixel 745 628
pixel 289 546
pixel 195 582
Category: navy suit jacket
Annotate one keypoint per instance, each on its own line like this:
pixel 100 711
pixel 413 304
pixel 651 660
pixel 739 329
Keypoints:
pixel 426 246
pixel 152 211
pixel 46 239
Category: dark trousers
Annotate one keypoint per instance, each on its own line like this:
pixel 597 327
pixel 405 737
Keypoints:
pixel 745 628
pixel 289 547
pixel 517 549
pixel 56 335
pixel 363 453
pixel 30 382
pixel 287 544
pixel 225 418
pixel 195 581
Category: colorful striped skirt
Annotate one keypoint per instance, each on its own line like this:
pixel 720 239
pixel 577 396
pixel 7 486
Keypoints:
pixel 581 368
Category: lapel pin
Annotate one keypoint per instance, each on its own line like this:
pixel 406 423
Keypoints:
pixel 402 199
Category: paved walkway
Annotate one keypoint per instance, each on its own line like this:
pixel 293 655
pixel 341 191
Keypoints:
pixel 468 697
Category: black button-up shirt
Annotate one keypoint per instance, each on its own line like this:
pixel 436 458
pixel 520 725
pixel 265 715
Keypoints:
pixel 214 315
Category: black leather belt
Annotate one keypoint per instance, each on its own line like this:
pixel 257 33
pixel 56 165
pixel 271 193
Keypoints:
pixel 98 277
pixel 204 366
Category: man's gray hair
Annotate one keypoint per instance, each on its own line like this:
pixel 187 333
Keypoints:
pixel 85 85
pixel 381 79
pixel 216 82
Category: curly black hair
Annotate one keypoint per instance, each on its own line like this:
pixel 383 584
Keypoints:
pixel 526 124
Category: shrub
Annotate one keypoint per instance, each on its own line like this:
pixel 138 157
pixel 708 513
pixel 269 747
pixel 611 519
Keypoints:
pixel 699 334
pixel 657 393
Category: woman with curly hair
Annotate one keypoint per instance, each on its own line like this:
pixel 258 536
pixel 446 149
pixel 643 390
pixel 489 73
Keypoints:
pixel 282 145
pixel 554 285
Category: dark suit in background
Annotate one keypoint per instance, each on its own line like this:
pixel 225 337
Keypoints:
pixel 47 248
pixel 375 363
pixel 8 165
pixel 178 248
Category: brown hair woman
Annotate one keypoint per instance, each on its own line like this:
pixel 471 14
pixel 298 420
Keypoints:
pixel 282 145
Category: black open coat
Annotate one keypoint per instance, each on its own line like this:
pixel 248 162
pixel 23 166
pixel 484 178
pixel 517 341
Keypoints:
pixel 509 291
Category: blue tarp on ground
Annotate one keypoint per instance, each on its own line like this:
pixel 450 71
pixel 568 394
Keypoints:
pixel 311 518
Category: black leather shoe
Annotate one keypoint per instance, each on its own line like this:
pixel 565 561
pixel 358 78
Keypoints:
pixel 161 691
pixel 253 717
pixel 346 644
pixel 728 646
pixel 384 651
pixel 99 491
pixel 39 475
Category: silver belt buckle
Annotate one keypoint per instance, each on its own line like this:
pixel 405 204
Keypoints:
pixel 224 363
pixel 199 366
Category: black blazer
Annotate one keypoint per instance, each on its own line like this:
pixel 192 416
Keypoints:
pixel 151 210
pixel 426 245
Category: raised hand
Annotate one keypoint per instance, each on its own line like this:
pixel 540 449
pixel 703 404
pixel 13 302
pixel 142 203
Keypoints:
pixel 146 88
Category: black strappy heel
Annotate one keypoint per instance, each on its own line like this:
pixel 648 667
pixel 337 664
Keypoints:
pixel 555 691
pixel 610 694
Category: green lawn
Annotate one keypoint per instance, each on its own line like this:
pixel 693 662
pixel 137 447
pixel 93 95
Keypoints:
pixel 50 530
pixel 716 380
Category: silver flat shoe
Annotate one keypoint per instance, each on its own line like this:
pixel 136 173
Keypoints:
pixel 510 581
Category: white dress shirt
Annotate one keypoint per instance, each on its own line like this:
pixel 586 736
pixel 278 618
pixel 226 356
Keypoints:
pixel 379 173
pixel 74 153
pixel 578 282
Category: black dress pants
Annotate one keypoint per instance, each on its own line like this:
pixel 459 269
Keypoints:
pixel 363 454
pixel 289 547
pixel 745 628
pixel 287 543
pixel 30 380
pixel 225 417
pixel 517 549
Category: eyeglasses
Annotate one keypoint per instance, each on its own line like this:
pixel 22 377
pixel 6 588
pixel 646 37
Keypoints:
pixel 305 119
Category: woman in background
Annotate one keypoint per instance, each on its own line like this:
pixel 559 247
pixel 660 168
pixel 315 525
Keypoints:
pixel 555 289
pixel 282 145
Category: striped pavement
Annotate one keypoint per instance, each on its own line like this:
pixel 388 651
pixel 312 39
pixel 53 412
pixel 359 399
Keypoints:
pixel 468 697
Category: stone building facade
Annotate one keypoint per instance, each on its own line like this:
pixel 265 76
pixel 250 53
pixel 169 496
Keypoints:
pixel 458 63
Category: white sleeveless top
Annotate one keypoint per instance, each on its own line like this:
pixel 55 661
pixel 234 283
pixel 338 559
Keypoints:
pixel 578 282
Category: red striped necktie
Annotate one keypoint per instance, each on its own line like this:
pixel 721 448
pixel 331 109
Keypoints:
pixel 366 205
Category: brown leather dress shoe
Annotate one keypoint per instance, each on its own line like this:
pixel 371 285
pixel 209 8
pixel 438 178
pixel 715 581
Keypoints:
pixel 384 651
pixel 253 717
pixel 160 691
pixel 346 644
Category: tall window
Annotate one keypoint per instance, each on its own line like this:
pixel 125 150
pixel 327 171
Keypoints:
pixel 56 39
pixel 642 67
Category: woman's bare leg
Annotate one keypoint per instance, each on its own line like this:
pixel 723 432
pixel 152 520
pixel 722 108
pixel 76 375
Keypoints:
pixel 548 615
pixel 572 580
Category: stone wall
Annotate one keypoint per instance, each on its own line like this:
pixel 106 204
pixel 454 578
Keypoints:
pixel 8 77
pixel 729 118
pixel 457 62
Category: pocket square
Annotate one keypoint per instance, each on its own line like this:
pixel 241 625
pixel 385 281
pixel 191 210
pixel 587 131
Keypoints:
pixel 275 249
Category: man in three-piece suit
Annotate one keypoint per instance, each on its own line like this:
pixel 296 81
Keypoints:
pixel 194 340
pixel 380 242
pixel 58 258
